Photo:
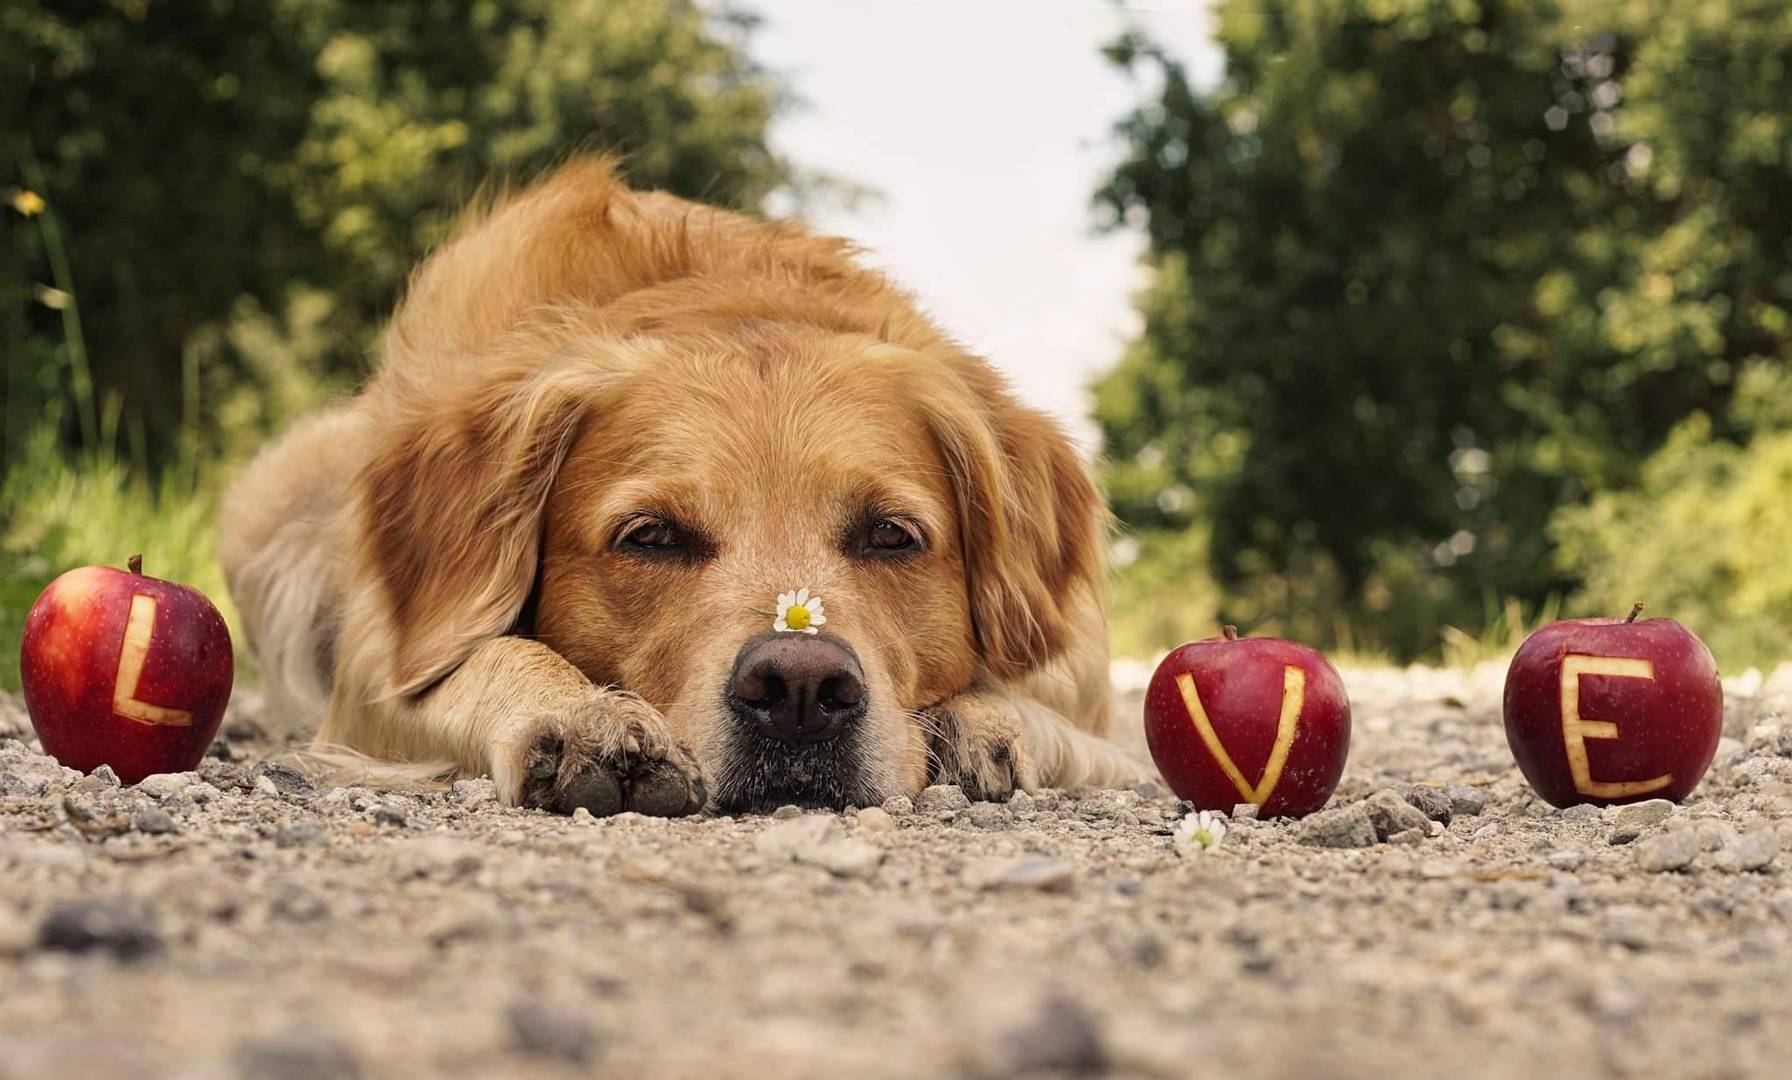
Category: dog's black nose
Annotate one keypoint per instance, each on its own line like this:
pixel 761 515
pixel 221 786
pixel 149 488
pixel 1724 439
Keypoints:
pixel 797 687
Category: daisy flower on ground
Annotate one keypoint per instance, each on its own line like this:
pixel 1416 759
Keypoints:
pixel 1197 834
pixel 798 613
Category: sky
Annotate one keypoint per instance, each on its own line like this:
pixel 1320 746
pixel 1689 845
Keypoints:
pixel 985 125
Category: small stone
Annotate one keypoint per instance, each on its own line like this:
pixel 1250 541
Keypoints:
pixel 985 815
pixel 1148 790
pixel 1042 875
pixel 940 798
pixel 582 816
pixel 1643 815
pixel 874 819
pixel 786 812
pixel 793 835
pixel 101 781
pixel 265 788
pixel 1566 860
pixel 1618 837
pixel 1340 827
pixel 1671 850
pixel 162 786
pixel 1431 802
pixel 898 806
pixel 298 1053
pixel 1465 801
pixel 1021 804
pixel 82 926
pixel 844 858
pixel 300 834
pixel 1391 814
pixel 1408 836
pixel 475 793
pixel 154 820
pixel 388 814
pixel 1579 812
pixel 1063 1039
pixel 1755 850
pixel 286 779
pixel 548 1031
pixel 202 792
pixel 1246 811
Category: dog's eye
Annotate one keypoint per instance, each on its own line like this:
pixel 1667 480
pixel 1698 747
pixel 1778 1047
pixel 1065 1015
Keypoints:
pixel 656 537
pixel 886 537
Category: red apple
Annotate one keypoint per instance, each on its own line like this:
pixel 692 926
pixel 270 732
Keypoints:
pixel 1249 720
pixel 1607 711
pixel 125 670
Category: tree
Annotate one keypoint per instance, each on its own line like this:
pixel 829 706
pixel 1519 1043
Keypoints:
pixel 241 185
pixel 1426 271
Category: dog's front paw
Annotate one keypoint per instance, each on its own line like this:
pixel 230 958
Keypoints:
pixel 609 754
pixel 977 745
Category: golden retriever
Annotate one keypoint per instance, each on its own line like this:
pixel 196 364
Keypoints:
pixel 555 539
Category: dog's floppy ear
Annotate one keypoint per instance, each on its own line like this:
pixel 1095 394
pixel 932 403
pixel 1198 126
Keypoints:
pixel 1030 519
pixel 451 509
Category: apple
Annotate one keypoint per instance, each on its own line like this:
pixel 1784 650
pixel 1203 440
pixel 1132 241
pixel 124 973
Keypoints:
pixel 1608 711
pixel 125 670
pixel 1248 720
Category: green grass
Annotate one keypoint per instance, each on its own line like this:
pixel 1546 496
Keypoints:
pixel 62 512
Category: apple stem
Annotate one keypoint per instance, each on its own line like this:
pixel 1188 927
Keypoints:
pixel 1231 632
pixel 135 564
pixel 1635 610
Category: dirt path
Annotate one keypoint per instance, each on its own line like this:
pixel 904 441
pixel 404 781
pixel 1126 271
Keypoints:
pixel 240 923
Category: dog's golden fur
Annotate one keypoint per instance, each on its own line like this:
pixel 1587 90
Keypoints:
pixel 433 566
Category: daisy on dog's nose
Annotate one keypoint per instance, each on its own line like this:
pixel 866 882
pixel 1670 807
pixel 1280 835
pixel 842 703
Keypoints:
pixel 798 613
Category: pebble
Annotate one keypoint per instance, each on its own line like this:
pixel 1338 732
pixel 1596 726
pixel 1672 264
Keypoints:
pixel 874 819
pixel 100 781
pixel 1431 802
pixel 1062 1039
pixel 475 793
pixel 1245 811
pixel 1566 860
pixel 265 788
pixel 548 1031
pixel 1043 875
pixel 160 786
pixel 844 858
pixel 938 799
pixel 1022 805
pixel 298 1053
pixel 82 926
pixel 986 815
pixel 389 814
pixel 1642 815
pixel 154 820
pixel 1465 801
pixel 793 835
pixel 1671 850
pixel 1390 814
pixel 786 812
pixel 1580 812
pixel 285 779
pixel 1340 827
pixel 898 806
pixel 300 834
pixel 1753 851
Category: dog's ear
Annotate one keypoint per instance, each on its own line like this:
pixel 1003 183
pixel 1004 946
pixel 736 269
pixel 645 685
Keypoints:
pixel 1030 520
pixel 450 510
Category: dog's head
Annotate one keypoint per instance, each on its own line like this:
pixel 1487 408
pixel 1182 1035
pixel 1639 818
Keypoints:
pixel 642 502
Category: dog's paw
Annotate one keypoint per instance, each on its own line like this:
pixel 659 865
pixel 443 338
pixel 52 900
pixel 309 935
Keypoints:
pixel 977 745
pixel 610 754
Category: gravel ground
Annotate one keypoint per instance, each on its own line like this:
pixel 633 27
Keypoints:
pixel 239 922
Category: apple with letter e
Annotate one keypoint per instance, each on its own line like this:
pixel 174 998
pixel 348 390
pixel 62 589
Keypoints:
pixel 125 670
pixel 1606 711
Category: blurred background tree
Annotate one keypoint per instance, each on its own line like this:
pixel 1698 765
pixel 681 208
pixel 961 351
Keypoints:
pixel 1456 303
pixel 241 185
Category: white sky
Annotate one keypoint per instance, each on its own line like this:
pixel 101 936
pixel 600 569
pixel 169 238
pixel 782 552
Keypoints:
pixel 985 125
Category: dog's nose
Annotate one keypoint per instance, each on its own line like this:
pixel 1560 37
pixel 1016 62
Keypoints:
pixel 797 688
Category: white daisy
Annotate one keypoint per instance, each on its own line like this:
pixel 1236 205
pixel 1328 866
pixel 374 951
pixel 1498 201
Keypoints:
pixel 798 613
pixel 1200 833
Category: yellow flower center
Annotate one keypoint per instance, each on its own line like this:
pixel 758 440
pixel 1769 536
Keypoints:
pixel 797 618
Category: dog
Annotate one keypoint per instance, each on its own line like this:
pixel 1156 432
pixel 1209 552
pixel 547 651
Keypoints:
pixel 654 506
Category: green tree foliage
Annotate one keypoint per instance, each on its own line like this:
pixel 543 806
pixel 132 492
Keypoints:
pixel 241 185
pixel 1428 270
